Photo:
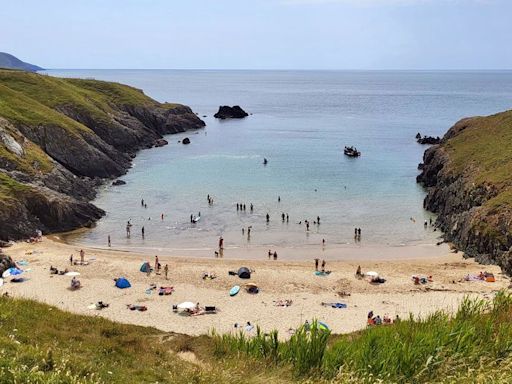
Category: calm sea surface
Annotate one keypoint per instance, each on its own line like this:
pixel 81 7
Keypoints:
pixel 300 122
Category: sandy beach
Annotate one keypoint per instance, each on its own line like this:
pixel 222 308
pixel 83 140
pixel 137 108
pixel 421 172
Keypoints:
pixel 277 280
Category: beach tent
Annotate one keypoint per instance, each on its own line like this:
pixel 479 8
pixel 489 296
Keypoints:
pixel 123 283
pixel 145 267
pixel 244 273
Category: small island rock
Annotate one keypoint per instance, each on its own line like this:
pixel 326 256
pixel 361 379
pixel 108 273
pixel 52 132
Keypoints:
pixel 227 112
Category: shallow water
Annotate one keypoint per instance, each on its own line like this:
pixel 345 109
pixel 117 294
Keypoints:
pixel 300 122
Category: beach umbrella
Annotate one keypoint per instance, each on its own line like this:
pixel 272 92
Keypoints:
pixel 12 272
pixel 72 274
pixel 187 305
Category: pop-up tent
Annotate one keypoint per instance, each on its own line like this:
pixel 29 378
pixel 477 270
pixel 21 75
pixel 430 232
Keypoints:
pixel 145 267
pixel 244 273
pixel 122 283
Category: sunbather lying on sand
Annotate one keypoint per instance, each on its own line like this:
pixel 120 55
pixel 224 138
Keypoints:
pixel 140 308
pixel 283 303
pixel 209 275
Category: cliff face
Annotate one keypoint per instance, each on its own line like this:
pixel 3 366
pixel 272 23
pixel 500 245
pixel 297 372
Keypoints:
pixel 60 137
pixel 468 178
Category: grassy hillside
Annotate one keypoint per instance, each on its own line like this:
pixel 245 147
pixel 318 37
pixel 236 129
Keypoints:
pixel 9 61
pixel 41 344
pixel 483 149
pixel 58 135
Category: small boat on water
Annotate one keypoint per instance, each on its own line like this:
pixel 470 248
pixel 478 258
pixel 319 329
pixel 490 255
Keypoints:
pixel 351 152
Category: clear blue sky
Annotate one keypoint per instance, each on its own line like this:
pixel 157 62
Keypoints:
pixel 266 34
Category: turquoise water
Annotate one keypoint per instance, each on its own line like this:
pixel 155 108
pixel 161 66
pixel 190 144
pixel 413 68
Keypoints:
pixel 300 122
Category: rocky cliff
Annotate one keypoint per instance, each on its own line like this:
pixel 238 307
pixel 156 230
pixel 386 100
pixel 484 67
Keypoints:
pixel 468 178
pixel 59 138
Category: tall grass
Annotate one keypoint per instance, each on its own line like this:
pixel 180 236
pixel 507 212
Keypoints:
pixel 431 349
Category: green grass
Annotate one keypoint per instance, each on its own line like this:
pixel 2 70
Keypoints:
pixel 475 344
pixel 10 189
pixel 41 344
pixel 38 102
pixel 484 149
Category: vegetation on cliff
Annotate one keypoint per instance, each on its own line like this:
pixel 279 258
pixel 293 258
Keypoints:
pixel 471 346
pixel 469 183
pixel 59 136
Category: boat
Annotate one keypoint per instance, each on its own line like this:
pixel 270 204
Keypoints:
pixel 351 152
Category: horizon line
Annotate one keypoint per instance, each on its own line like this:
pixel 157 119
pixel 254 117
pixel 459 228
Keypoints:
pixel 289 69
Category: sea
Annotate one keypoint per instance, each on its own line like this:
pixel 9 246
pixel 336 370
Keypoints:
pixel 300 122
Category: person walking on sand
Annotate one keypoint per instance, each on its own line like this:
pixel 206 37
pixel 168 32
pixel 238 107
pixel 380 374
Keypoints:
pixel 108 239
pixel 316 264
pixel 166 271
pixel 323 265
pixel 82 256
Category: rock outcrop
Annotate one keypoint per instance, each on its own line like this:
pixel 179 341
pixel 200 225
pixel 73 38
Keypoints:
pixel 468 180
pixel 227 112
pixel 61 138
pixel 429 140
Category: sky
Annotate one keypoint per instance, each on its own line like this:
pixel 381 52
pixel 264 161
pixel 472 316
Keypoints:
pixel 259 34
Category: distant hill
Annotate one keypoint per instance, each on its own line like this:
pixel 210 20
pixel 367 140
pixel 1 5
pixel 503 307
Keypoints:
pixel 11 62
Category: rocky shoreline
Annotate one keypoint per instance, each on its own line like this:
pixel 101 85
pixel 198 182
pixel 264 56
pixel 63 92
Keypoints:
pixel 467 186
pixel 62 138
